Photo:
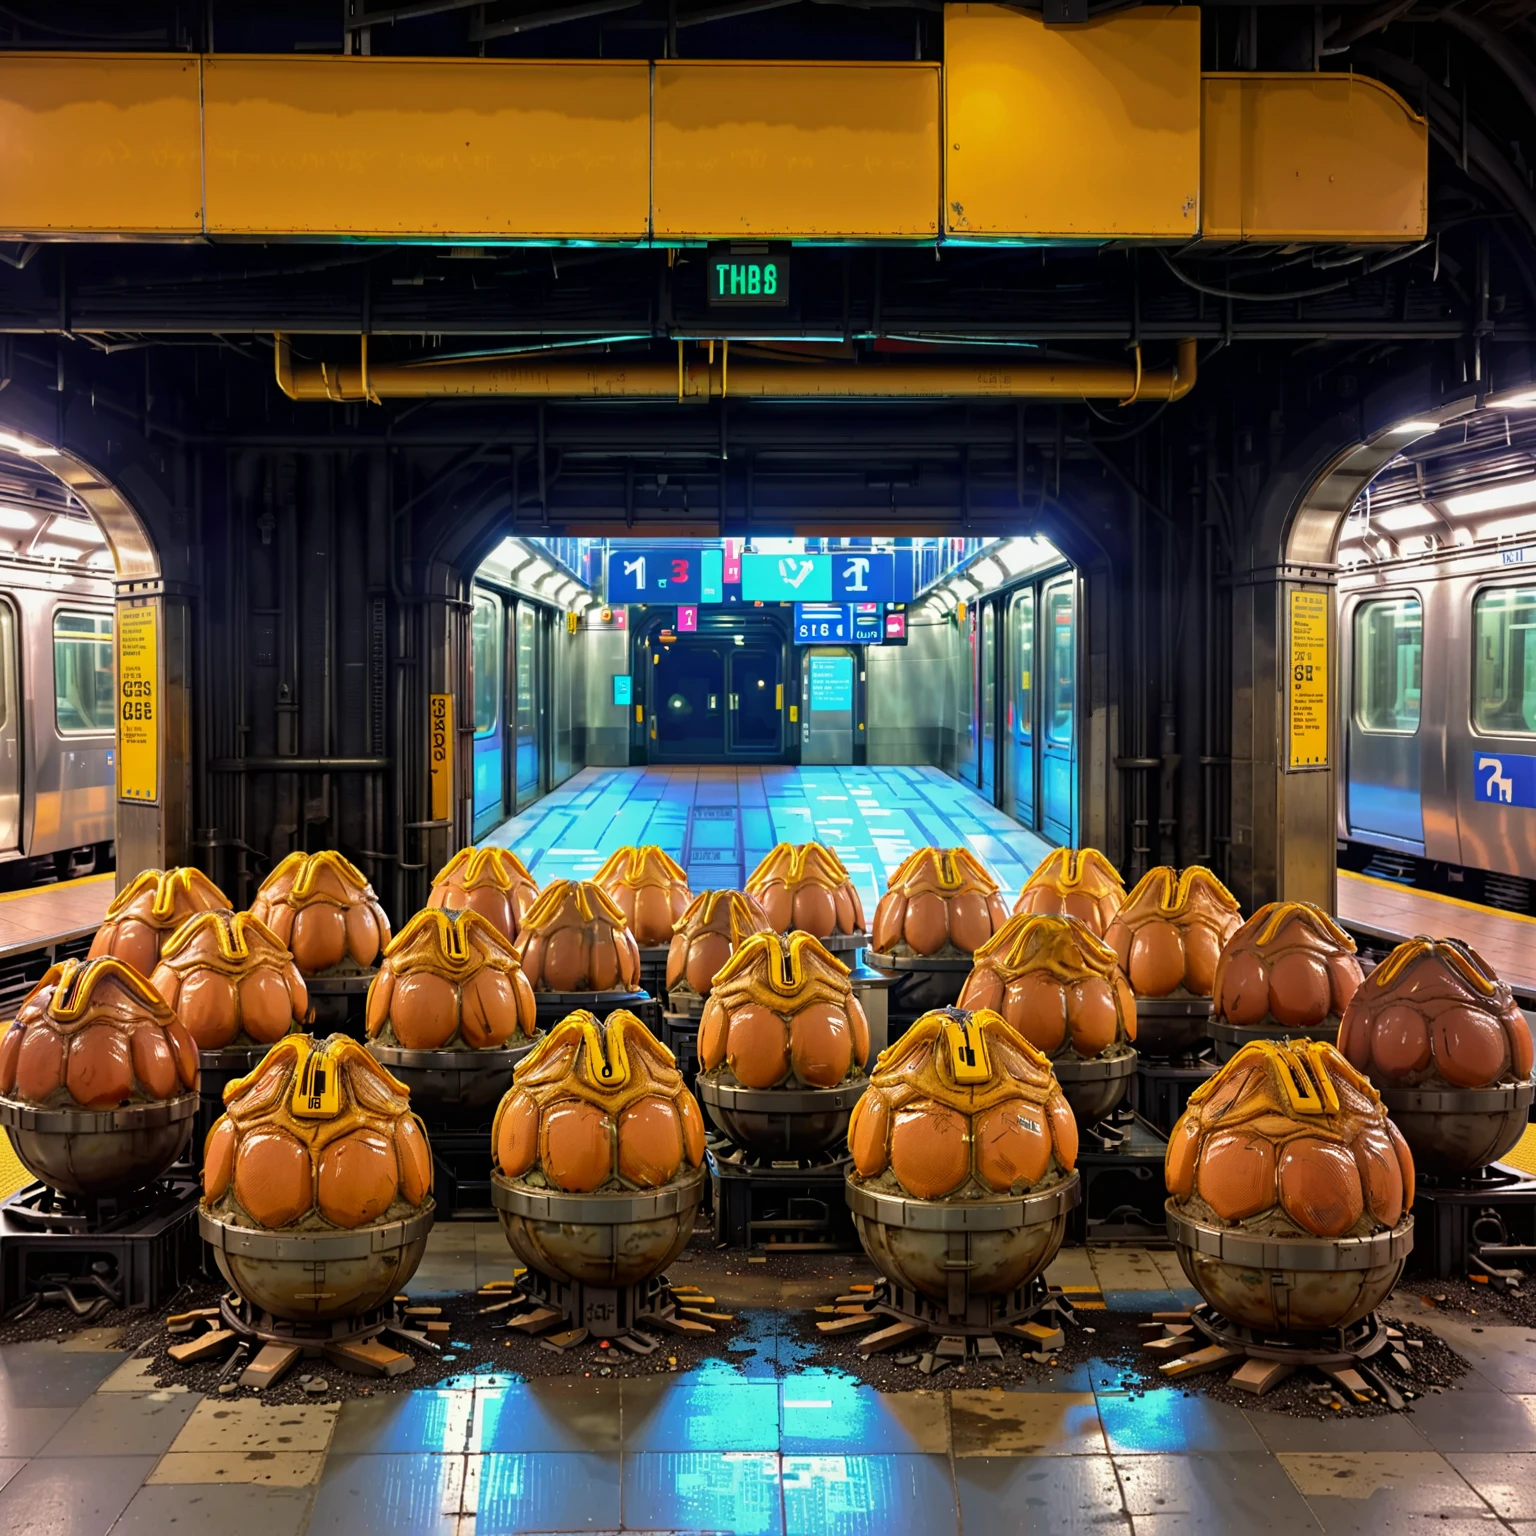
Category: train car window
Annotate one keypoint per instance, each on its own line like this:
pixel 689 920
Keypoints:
pixel 1061 693
pixel 84 696
pixel 527 640
pixel 1021 624
pixel 485 637
pixel 1504 637
pixel 1389 665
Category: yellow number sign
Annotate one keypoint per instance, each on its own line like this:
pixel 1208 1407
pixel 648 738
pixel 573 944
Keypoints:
pixel 138 704
pixel 1309 680
pixel 440 754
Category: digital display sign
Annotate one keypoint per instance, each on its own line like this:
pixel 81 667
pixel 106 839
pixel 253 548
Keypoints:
pixel 818 622
pixel 896 628
pixel 868 623
pixel 623 688
pixel 831 683
pixel 846 577
pixel 747 276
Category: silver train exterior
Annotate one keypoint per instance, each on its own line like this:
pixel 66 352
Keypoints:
pixel 1437 708
pixel 57 719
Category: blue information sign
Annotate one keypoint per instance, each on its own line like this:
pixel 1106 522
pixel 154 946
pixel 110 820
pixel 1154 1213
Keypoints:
pixel 623 688
pixel 711 575
pixel 846 577
pixel 817 622
pixel 657 575
pixel 831 682
pixel 868 623
pixel 1505 778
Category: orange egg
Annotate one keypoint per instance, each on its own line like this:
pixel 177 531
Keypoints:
pixel 100 1071
pixel 820 1045
pixel 517 1134
pixel 206 1004
pixel 709 952
pixel 815 911
pixel 713 1027
pixel 1404 1163
pixel 693 1129
pixel 859 1024
pixel 1244 989
pixel 779 906
pixel 1470 1047
pixel 985 989
pixel 365 939
pixel 565 960
pixel 319 938
pixel 489 1013
pixel 359 1177
pixel 414 1157
pixel 1237 1175
pixel 1398 1041
pixel 1064 1130
pixel 218 1158
pixel 926 928
pixel 868 1130
pixel 1202 949
pixel 602 965
pixel 650 1142
pixel 423 1010
pixel 577 1146
pixel 1320 1186
pixel 1036 1005
pixel 1091 1015
pixel 1180 1158
pixel 273 1178
pixel 971 921
pixel 758 1047
pixel 1344 976
pixel 1380 1176
pixel 1299 993
pixel 184 1048
pixel 154 1063
pixel 930 1152
pixel 1156 960
pixel 266 1006
pixel 1013 1145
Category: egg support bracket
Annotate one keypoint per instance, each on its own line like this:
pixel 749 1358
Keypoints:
pixel 1172 1029
pixel 1231 1038
pixel 1469 1223
pixel 551 1007
pixel 800 1204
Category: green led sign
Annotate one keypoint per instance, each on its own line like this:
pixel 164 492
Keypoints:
pixel 748 276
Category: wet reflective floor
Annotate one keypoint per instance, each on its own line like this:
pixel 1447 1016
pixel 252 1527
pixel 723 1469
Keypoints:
pixel 762 1440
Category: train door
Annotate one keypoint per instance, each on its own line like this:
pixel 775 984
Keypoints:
pixel 986 703
pixel 10 734
pixel 688 702
pixel 1383 792
pixel 488 691
pixel 755 703
pixel 529 662
pixel 1019 797
pixel 968 747
pixel 828 689
pixel 1058 717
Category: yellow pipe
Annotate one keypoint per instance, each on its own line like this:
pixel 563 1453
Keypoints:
pixel 611 379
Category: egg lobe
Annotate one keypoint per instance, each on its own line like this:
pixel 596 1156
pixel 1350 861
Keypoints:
pixel 10 1045
pixel 1013 1145
pixel 319 939
pixel 1180 1158
pixel 100 1070
pixel 1036 1005
pixel 1091 1015
pixel 1320 1186
pixel 359 1177
pixel 930 1151
pixel 1399 1042
pixel 757 1049
pixel 868 1133
pixel 415 1160
pixel 1202 950
pixel 577 1150
pixel 423 1011
pixel 517 1134
pixel 815 911
pixel 693 1129
pixel 154 1064
pixel 713 1027
pixel 650 1143
pixel 820 1045
pixel 1064 1130
pixel 1156 960
pixel 926 929
pixel 365 936
pixel 266 1009
pixel 273 1178
pixel 1470 1047
pixel 1236 1175
pixel 1380 1177
pixel 218 1158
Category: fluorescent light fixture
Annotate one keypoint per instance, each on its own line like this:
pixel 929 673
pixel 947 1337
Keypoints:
pixel 1397 518
pixel 1407 428
pixel 17 521
pixel 1507 527
pixel 1519 493
pixel 76 530
pixel 50 551
pixel 22 446
pixel 987 571
pixel 1415 544
pixel 1522 400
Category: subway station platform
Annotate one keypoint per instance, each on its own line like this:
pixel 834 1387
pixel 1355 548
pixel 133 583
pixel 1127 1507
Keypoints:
pixel 718 822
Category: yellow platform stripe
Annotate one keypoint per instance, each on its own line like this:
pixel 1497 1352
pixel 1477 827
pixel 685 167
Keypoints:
pixel 1450 901
pixel 62 885
pixel 1523 1154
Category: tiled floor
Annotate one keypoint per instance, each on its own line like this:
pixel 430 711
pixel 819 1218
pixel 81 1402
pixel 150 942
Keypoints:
pixel 718 822
pixel 88 1447
pixel 54 911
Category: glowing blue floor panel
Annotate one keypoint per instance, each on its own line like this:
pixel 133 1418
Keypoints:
pixel 718 822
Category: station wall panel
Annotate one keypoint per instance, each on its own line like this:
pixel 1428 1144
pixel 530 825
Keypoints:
pixel 100 144
pixel 1312 157
pixel 804 151
pixel 445 148
pixel 1084 132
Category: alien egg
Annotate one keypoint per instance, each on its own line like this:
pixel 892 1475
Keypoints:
pixel 804 887
pixel 324 910
pixel 782 1047
pixel 1074 882
pixel 317 1147
pixel 649 888
pixel 98 1079
pixel 1289 1190
pixel 145 913
pixel 964 1156
pixel 490 881
pixel 715 925
pixel 939 903
pixel 575 939
pixel 1445 1042
pixel 597 1153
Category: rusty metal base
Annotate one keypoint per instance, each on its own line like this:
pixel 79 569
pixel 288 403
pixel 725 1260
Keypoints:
pixel 568 1313
pixel 256 1327
pixel 383 1330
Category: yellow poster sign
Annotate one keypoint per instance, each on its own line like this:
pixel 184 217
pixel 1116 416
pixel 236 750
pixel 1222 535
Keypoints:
pixel 1308 711
pixel 440 754
pixel 138 704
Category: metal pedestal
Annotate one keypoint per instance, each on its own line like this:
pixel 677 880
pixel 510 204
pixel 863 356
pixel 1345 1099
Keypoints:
pixel 1483 1224
pixel 1231 1038
pixel 796 1206
pixel 1121 1165
pixel 340 1002
pixel 551 1007
pixel 1160 1090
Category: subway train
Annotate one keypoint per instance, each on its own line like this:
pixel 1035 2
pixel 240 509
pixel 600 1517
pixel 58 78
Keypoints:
pixel 57 722
pixel 1437 722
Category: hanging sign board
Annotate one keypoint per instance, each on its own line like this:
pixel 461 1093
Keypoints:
pixel 751 276
pixel 1308 712
pixel 440 754
pixel 138 704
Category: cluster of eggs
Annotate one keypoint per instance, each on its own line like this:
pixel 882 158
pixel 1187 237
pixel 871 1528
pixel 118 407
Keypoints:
pixel 490 881
pixel 650 888
pixel 598 1104
pixel 323 908
pixel 1074 882
pixel 143 915
pixel 939 902
pixel 318 1136
pixel 782 1013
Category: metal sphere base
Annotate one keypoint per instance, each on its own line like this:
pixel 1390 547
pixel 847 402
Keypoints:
pixel 269 1347
pixel 565 1314
pixel 1231 1038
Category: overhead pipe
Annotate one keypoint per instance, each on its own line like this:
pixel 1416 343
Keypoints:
pixel 748 379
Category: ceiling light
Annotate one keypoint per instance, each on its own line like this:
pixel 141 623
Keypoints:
pixel 16 520
pixel 22 446
pixel 49 551
pixel 1404 428
pixel 987 571
pixel 1416 515
pixel 1415 544
pixel 1521 493
pixel 1507 527
pixel 76 529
